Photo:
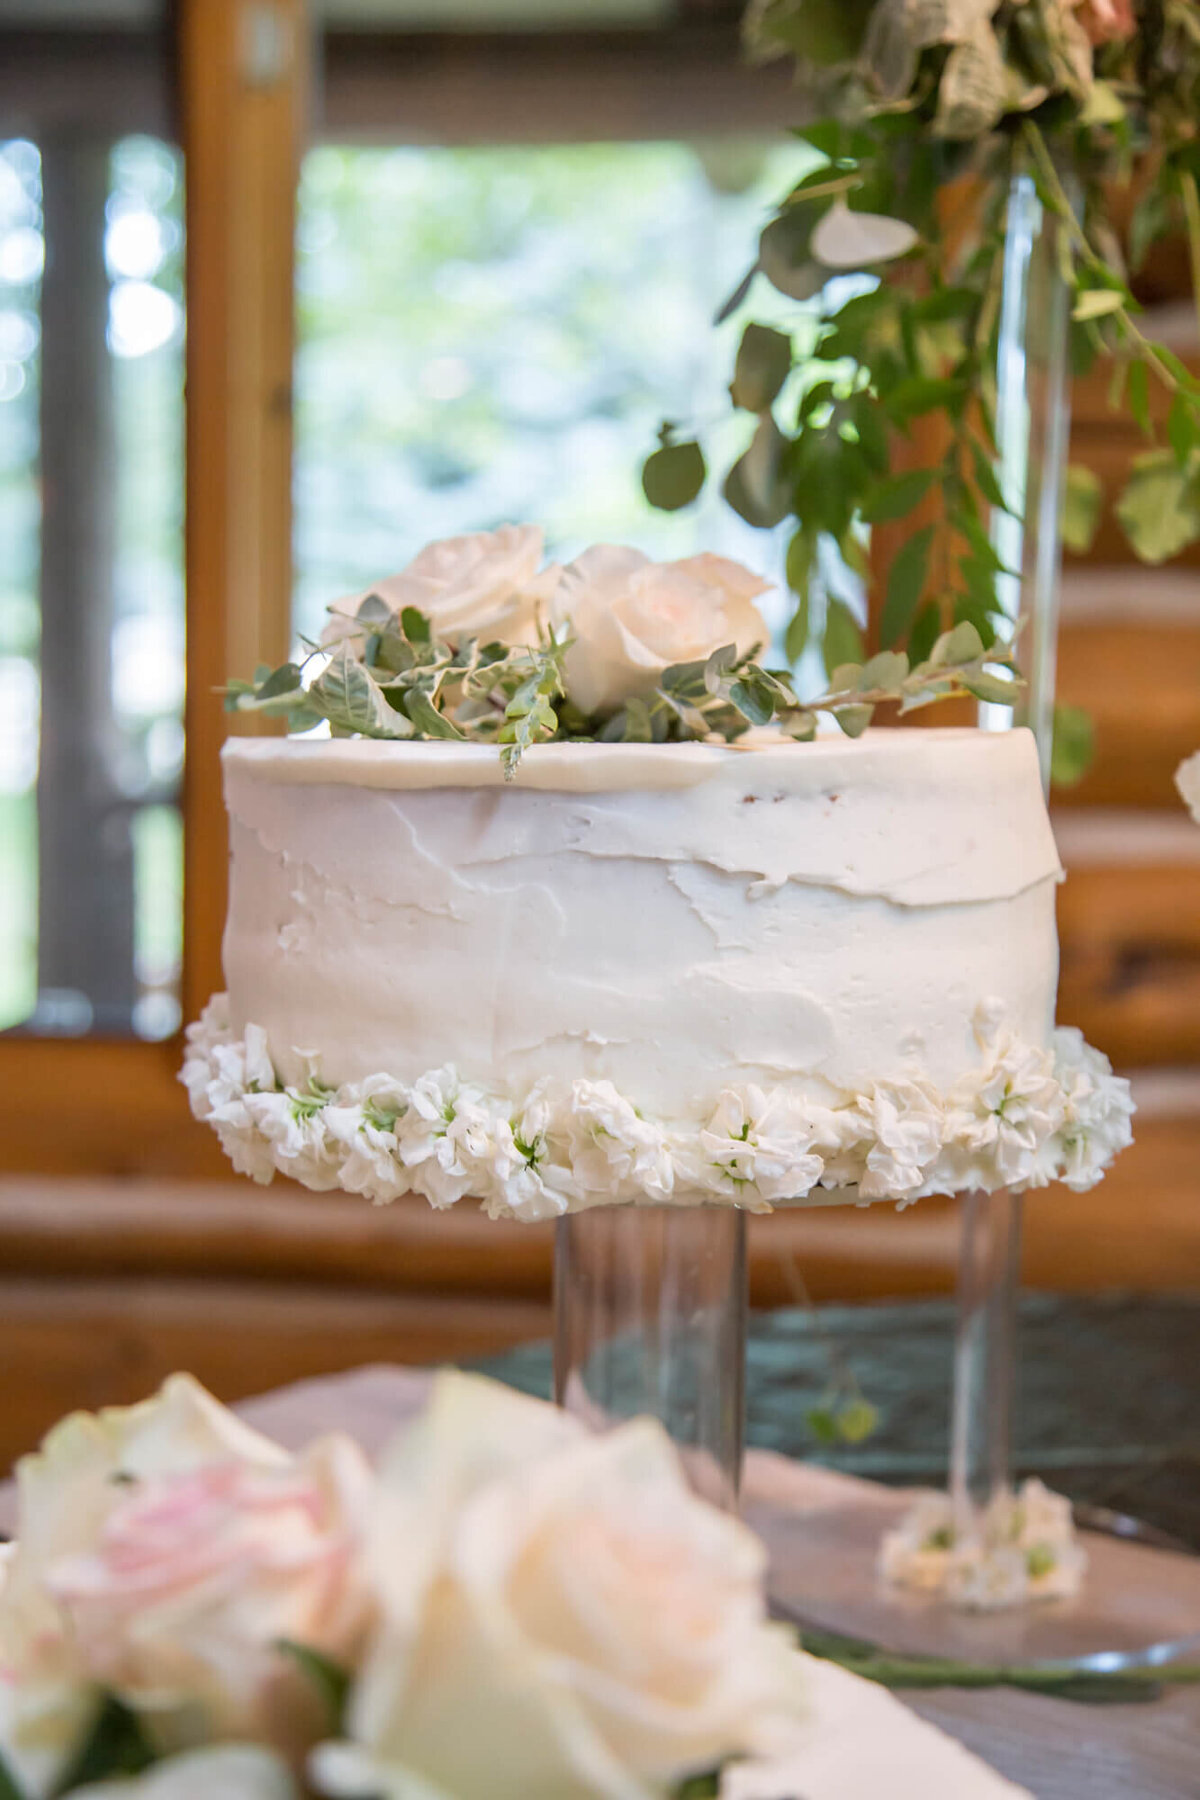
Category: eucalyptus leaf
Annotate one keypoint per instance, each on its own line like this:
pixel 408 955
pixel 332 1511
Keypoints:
pixel 853 720
pixel 784 258
pixel 673 476
pixel 764 359
pixel 858 240
pixel 754 486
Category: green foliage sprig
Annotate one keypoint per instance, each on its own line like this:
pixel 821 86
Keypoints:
pixel 1065 94
pixel 391 678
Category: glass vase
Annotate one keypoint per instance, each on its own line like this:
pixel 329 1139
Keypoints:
pixel 650 1318
pixel 1032 430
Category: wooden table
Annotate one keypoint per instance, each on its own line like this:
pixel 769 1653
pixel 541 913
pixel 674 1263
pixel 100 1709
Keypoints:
pixel 1057 1749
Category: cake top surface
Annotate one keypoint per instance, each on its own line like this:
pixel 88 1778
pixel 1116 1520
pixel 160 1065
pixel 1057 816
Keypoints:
pixel 961 757
pixel 919 817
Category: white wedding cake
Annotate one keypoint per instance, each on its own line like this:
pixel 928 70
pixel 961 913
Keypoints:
pixel 767 973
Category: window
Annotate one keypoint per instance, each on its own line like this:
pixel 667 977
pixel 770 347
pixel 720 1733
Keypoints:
pixel 91 608
pixel 492 334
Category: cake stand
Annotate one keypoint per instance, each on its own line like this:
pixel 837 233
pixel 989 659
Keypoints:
pixel 650 1317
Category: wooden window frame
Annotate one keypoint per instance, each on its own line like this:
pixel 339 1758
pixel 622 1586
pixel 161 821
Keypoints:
pixel 116 1107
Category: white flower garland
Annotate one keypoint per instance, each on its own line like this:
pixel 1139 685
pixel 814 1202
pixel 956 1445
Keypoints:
pixel 1025 1117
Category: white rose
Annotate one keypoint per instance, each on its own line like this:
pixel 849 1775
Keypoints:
pixel 570 1622
pixel 230 1772
pixel 488 585
pixel 632 618
pixel 162 1552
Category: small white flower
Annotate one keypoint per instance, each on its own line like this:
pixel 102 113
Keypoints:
pixel 1003 1115
pixel 444 1138
pixel 1099 1107
pixel 759 1147
pixel 294 1125
pixel 904 1128
pixel 613 1149
pixel 367 1148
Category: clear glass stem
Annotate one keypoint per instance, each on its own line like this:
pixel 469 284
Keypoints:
pixel 984 1353
pixel 1032 421
pixel 650 1317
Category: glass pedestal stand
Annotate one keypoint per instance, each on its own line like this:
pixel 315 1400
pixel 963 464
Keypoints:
pixel 1137 1604
pixel 650 1317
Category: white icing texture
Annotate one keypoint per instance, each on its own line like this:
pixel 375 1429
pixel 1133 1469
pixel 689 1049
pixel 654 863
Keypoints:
pixel 675 920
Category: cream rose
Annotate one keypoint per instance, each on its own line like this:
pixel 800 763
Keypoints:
pixel 231 1772
pixel 570 1621
pixel 631 618
pixel 163 1550
pixel 489 585
pixel 1187 780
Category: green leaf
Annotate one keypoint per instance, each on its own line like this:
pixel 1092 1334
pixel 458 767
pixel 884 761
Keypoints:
pixel 998 690
pixel 917 395
pixel 1097 303
pixel 673 476
pixel 728 307
pixel 351 699
pixel 753 698
pixel 718 666
pixel 897 496
pixel 1074 745
pixel 115 1745
pixel 924 633
pixel 283 680
pixel 764 360
pixel 416 626
pixel 428 720
pixel 795 638
pixel 842 640
pixel 330 1681
pixel 906 584
pixel 8 1787
pixel 699 1787
pixel 1139 396
pixel 1158 509
pixel 1082 505
pixel 373 611
pixel 887 669
pixel 822 1422
pixel 1182 433
pixel 754 487
pixel 783 256
pixel 986 479
pixel 853 720
pixel 856 1420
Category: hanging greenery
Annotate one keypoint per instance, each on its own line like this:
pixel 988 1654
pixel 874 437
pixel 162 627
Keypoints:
pixel 929 111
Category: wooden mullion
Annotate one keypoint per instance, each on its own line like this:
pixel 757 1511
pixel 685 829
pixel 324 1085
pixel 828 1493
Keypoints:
pixel 244 106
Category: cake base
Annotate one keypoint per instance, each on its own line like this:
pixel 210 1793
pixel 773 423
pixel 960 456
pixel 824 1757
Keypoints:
pixel 1138 1605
